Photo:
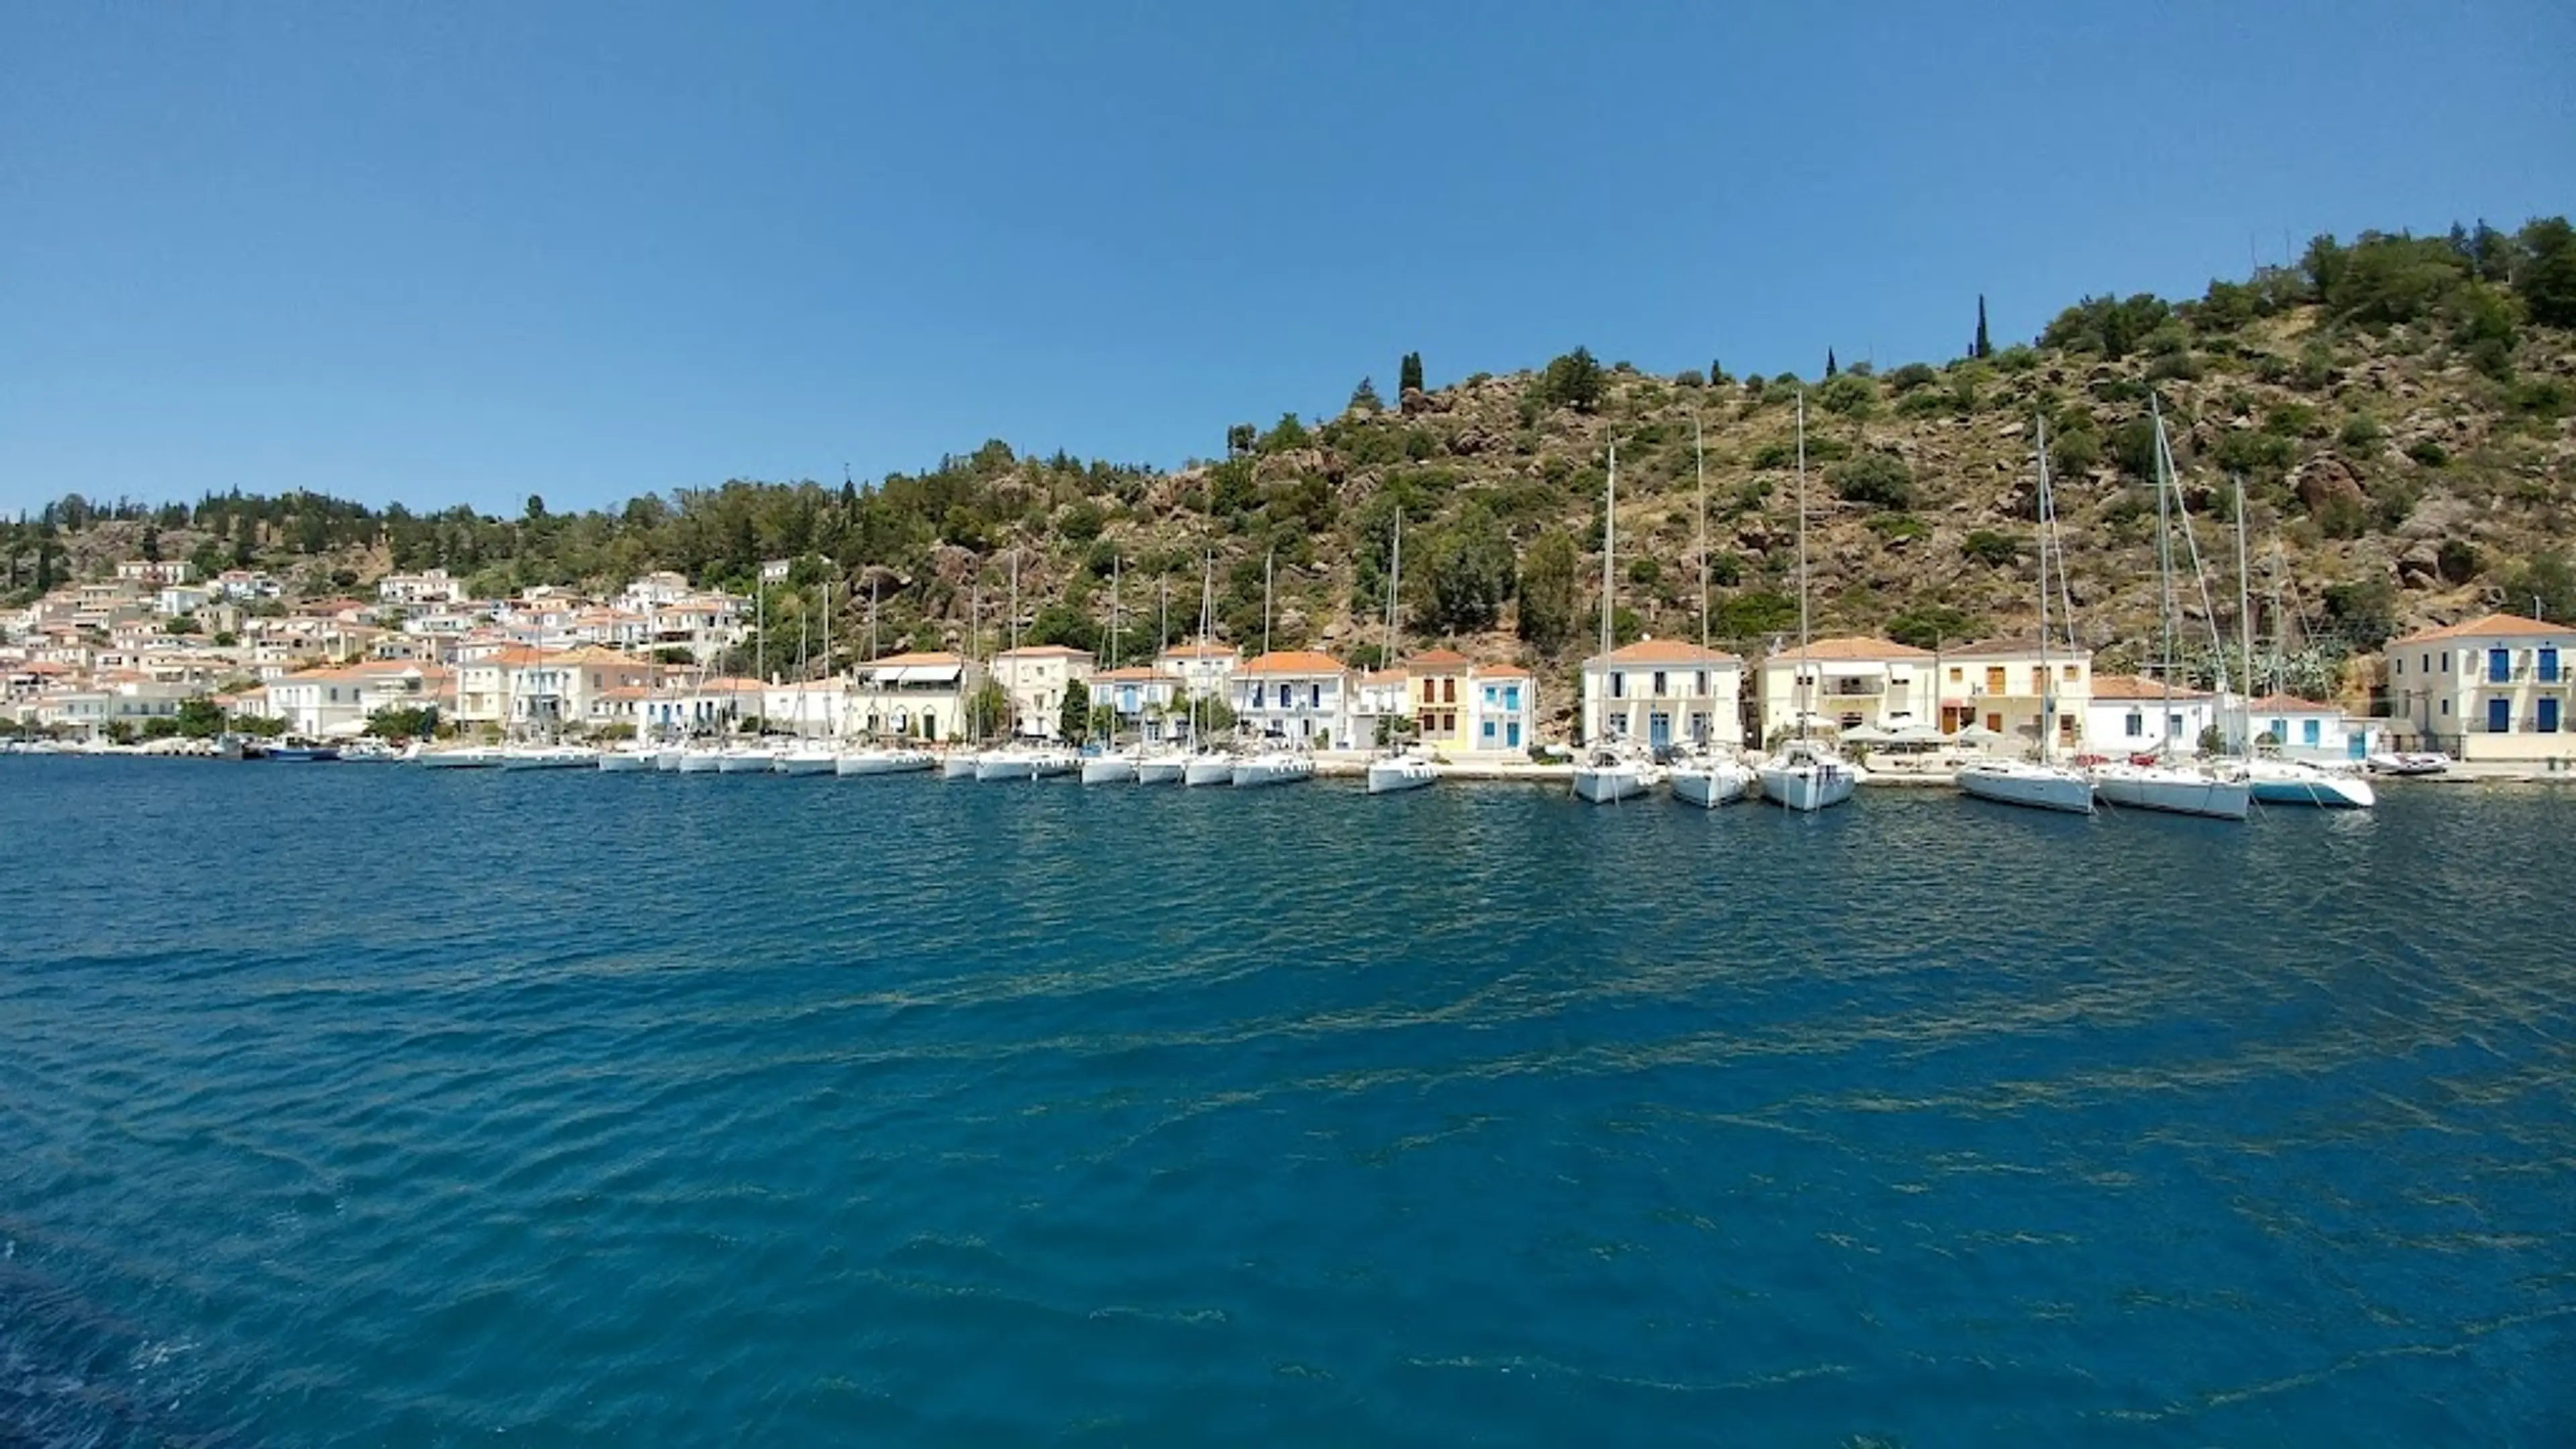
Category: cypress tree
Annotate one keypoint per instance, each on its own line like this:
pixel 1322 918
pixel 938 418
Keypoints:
pixel 1830 369
pixel 1983 348
pixel 1409 374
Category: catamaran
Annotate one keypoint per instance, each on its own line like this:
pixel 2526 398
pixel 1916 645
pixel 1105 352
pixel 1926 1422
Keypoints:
pixel 2041 784
pixel 1806 774
pixel 2161 784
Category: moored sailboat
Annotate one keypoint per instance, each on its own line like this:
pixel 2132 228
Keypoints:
pixel 1805 774
pixel 2040 784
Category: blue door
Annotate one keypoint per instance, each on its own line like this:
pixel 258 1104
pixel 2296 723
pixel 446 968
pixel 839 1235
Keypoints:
pixel 1659 729
pixel 1512 733
pixel 2549 716
pixel 2499 666
pixel 2499 716
pixel 2548 664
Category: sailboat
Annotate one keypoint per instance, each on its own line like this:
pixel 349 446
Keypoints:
pixel 1112 766
pixel 536 752
pixel 2179 789
pixel 1614 770
pixel 1806 774
pixel 1399 768
pixel 808 756
pixel 2274 780
pixel 1207 765
pixel 2041 784
pixel 876 757
pixel 1705 777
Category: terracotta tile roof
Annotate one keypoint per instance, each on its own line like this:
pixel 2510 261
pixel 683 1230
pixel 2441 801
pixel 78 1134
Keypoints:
pixel 2493 626
pixel 1202 649
pixel 1294 661
pixel 1438 661
pixel 2134 686
pixel 1043 651
pixel 914 658
pixel 2017 649
pixel 1501 671
pixel 1855 646
pixel 2291 704
pixel 1136 673
pixel 1665 651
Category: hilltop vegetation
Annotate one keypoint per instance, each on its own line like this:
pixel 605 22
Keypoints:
pixel 2396 406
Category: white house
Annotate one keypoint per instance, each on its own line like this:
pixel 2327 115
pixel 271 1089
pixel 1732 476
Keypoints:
pixel 2495 688
pixel 920 696
pixel 1504 714
pixel 177 599
pixel 1663 692
pixel 1294 694
pixel 1202 666
pixel 806 707
pixel 157 572
pixel 1145 700
pixel 429 586
pixel 1847 682
pixel 2303 729
pixel 2126 714
pixel 1036 677
pixel 1380 700
pixel 658 590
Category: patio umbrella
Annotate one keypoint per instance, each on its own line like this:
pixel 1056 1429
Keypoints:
pixel 1866 735
pixel 1979 735
pixel 1921 734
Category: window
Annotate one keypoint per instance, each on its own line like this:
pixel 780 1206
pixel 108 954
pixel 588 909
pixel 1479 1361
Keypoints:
pixel 2425 664
pixel 2136 725
pixel 1995 722
pixel 2069 673
pixel 1315 697
pixel 1659 683
pixel 2446 661
pixel 2499 666
pixel 1427 696
pixel 1994 679
pixel 2039 679
pixel 1955 675
pixel 2173 726
pixel 2312 732
pixel 1699 682
pixel 1618 685
pixel 2548 666
pixel 2446 706
pixel 1448 691
pixel 2066 729
pixel 1487 731
pixel 2399 662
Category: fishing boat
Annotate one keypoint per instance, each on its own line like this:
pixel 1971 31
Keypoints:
pixel 2040 784
pixel 1702 775
pixel 1806 774
pixel 2157 782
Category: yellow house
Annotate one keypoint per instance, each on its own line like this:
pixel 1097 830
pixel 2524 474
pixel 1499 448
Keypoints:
pixel 1441 698
pixel 2001 685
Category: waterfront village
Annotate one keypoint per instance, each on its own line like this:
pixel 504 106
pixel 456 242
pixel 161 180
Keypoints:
pixel 124 660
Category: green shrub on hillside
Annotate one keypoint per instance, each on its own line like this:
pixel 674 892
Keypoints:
pixel 1994 550
pixel 1877 480
pixel 1851 395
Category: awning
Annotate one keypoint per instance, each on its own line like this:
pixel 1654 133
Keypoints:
pixel 917 674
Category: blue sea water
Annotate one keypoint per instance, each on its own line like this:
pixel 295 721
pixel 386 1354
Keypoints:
pixel 370 1105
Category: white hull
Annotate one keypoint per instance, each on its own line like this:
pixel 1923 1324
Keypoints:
pixel 468 758
pixel 2297 784
pixel 1252 774
pixel 1006 767
pixel 2176 792
pixel 1208 770
pixel 613 761
pixel 2040 787
pixel 548 758
pixel 1385 777
pixel 1109 770
pixel 958 767
pixel 746 762
pixel 1806 788
pixel 668 760
pixel 1055 762
pixel 1168 771
pixel 882 762
pixel 1709 786
pixel 700 762
pixel 1609 784
pixel 807 762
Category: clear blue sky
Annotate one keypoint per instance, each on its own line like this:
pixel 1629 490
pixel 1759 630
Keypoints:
pixel 468 251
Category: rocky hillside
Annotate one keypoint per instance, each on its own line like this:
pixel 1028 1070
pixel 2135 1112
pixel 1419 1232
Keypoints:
pixel 2397 410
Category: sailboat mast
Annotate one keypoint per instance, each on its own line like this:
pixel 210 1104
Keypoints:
pixel 2278 685
pixel 1015 599
pixel 2047 674
pixel 2244 623
pixel 1699 473
pixel 1267 560
pixel 2164 567
pixel 1799 694
pixel 1609 586
pixel 1114 562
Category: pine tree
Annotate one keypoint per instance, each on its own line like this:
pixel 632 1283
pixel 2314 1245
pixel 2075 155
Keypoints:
pixel 1983 348
pixel 1409 374
pixel 1364 397
pixel 1830 369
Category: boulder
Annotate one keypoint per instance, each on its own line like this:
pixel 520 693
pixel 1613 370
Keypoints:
pixel 2324 481
pixel 2420 566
